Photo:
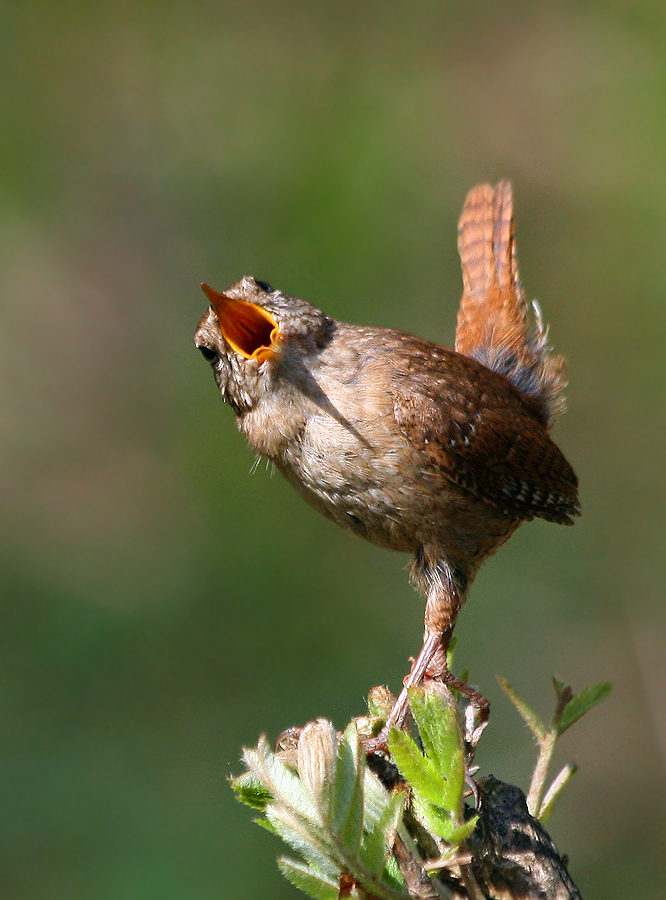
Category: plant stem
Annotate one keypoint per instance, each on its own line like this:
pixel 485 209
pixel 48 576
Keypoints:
pixel 546 748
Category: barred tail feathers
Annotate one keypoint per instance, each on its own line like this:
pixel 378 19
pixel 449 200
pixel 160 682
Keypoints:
pixel 496 325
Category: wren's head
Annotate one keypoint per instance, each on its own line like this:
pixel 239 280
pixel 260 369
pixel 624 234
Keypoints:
pixel 251 334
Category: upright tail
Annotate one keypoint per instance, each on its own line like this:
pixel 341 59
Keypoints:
pixel 496 325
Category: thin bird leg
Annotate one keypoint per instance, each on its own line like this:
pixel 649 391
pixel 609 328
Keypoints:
pixel 444 601
pixel 417 674
pixel 431 664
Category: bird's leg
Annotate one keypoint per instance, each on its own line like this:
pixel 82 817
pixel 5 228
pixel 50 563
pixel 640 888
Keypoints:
pixel 417 674
pixel 444 598
pixel 445 595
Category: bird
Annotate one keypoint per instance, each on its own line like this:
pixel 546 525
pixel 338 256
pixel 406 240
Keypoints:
pixel 439 453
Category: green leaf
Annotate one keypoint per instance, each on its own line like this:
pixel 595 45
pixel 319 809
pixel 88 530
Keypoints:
pixel 311 842
pixel 442 823
pixel 250 791
pixel 582 702
pixel 462 832
pixel 418 771
pixel 437 718
pixel 530 717
pixel 436 820
pixel 347 797
pixel 310 882
pixel 283 784
pixel 393 876
pixel 375 799
pixel 554 792
pixel 380 702
pixel 375 850
pixel 267 824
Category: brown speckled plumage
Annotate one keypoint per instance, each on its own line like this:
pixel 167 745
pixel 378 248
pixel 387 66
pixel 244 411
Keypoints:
pixel 436 452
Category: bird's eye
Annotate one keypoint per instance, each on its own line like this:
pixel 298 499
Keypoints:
pixel 209 355
pixel 264 285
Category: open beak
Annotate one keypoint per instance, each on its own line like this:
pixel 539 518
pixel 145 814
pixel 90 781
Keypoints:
pixel 248 328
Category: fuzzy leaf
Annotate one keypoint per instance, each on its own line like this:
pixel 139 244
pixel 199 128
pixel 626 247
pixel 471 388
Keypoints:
pixel 283 784
pixel 582 702
pixel 250 791
pixel 419 771
pixel 347 798
pixel 555 791
pixel 310 882
pixel 393 876
pixel 375 798
pixel 380 702
pixel 437 719
pixel 310 841
pixel 462 832
pixel 376 849
pixel 263 822
pixel 317 753
pixel 434 818
pixel 530 717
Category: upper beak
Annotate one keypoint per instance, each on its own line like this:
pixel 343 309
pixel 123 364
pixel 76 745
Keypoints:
pixel 248 328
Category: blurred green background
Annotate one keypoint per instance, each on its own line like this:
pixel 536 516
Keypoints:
pixel 161 605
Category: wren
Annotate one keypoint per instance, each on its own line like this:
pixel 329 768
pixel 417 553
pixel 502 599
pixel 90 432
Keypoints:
pixel 434 452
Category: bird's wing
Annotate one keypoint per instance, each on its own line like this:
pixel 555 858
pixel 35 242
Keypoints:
pixel 473 427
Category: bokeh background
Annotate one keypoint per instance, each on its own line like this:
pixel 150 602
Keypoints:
pixel 160 605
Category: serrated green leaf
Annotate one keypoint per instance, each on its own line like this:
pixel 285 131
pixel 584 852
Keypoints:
pixel 462 832
pixel 442 823
pixel 529 716
pixel 311 842
pixel 375 799
pixel 582 702
pixel 347 796
pixel 283 784
pixel 375 849
pixel 417 770
pixel 437 718
pixel 393 876
pixel 267 824
pixel 310 882
pixel 436 820
pixel 250 791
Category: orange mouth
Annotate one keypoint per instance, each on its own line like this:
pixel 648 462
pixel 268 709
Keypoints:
pixel 246 327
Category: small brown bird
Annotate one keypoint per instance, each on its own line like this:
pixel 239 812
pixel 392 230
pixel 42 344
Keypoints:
pixel 435 452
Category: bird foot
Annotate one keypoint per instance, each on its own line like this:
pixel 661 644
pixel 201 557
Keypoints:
pixel 477 711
